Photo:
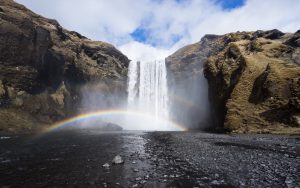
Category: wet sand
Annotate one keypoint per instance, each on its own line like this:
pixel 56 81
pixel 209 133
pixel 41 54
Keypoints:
pixel 75 158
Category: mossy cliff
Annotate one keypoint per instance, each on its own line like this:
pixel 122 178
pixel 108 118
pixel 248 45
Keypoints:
pixel 253 79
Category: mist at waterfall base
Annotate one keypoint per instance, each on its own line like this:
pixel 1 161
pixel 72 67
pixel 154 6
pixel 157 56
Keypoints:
pixel 145 106
pixel 152 101
pixel 188 93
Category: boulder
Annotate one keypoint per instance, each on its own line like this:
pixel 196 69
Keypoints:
pixel 117 160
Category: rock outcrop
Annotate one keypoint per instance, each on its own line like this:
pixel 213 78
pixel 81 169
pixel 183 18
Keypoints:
pixel 43 68
pixel 253 79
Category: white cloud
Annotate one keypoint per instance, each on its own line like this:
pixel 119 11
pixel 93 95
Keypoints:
pixel 256 14
pixel 114 20
pixel 139 51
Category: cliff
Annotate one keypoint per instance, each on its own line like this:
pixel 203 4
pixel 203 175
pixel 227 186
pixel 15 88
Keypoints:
pixel 43 68
pixel 253 79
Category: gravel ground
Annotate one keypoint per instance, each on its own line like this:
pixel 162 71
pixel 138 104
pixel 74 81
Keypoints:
pixel 216 160
pixel 75 158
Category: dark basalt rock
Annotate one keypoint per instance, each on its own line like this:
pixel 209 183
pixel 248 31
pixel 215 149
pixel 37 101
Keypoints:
pixel 260 92
pixel 294 40
pixel 273 34
pixel 43 66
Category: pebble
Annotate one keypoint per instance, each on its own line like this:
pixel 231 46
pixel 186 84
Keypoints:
pixel 106 165
pixel 104 184
pixel 4 137
pixel 215 182
pixel 117 160
pixel 288 181
pixel 204 178
pixel 6 161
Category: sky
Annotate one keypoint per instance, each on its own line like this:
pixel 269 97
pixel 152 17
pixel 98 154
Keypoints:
pixel 153 29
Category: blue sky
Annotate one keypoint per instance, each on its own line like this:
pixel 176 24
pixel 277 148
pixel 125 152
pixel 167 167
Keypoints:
pixel 142 33
pixel 153 29
pixel 231 4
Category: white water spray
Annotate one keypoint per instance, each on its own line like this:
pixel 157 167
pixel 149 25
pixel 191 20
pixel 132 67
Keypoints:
pixel 148 92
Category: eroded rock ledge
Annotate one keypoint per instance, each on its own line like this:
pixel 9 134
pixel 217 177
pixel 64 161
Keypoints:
pixel 43 67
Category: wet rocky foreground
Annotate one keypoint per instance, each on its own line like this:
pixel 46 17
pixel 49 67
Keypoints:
pixel 89 158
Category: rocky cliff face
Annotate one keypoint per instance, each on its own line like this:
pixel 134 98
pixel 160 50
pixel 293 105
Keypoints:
pixel 253 79
pixel 43 68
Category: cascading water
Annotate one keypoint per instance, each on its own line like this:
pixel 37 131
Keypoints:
pixel 148 91
pixel 132 84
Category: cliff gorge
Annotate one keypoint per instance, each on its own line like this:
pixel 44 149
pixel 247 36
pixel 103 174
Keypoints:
pixel 240 82
pixel 43 68
pixel 253 79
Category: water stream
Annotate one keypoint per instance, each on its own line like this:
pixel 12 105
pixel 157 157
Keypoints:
pixel 148 91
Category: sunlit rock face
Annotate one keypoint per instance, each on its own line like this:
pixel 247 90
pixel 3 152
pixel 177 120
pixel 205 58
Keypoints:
pixel 253 80
pixel 44 69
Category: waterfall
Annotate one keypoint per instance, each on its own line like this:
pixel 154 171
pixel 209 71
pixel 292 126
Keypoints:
pixel 132 83
pixel 147 89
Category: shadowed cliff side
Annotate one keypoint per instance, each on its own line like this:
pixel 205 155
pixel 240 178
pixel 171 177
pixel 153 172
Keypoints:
pixel 43 68
pixel 253 79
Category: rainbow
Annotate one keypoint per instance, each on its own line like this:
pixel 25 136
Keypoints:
pixel 97 114
pixel 185 102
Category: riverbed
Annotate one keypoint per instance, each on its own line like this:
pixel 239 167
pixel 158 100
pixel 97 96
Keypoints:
pixel 75 158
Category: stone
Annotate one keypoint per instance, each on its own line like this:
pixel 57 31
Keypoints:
pixel 117 160
pixel 215 182
pixel 296 120
pixel 106 165
pixel 135 170
pixel 4 137
pixel 2 90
